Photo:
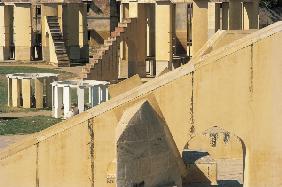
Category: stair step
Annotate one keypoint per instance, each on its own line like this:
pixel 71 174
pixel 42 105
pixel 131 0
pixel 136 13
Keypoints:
pixel 122 25
pixel 120 29
pixel 57 36
pixel 60 53
pixel 58 39
pixel 53 23
pixel 55 30
pixel 62 56
pixel 59 42
pixel 98 55
pixel 60 47
pixel 126 20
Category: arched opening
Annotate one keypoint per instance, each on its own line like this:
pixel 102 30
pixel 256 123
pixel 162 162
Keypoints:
pixel 215 157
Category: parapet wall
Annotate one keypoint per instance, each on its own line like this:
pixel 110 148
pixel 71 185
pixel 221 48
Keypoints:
pixel 237 87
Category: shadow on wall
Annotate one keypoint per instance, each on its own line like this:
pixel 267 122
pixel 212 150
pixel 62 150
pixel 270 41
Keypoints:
pixel 180 50
pixel 215 157
pixel 97 37
pixel 96 9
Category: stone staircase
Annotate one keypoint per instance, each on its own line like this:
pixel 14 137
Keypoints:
pixel 57 36
pixel 103 62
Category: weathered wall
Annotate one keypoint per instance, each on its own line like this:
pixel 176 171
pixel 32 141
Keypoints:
pixel 241 91
pixel 220 144
pixel 22 32
pixel 20 169
pixel 124 86
pixel 236 87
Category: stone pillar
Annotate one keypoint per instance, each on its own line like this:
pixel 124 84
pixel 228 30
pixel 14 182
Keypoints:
pixel 22 31
pixel 60 15
pixel 213 18
pixel 133 9
pixel 6 14
pixel 83 39
pixel 150 29
pixel 235 15
pixel 39 88
pixel 103 93
pixel 10 91
pixel 140 41
pixel 199 25
pixel 123 52
pixel 66 99
pixel 90 96
pixel 163 36
pixel 250 15
pixel 225 16
pixel 26 93
pixel 49 80
pixel 95 95
pixel 107 93
pixel 181 28
pixel 58 101
pixel 123 61
pixel 115 58
pixel 16 92
pixel 80 99
pixel 71 30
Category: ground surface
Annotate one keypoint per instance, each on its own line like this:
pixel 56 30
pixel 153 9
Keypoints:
pixel 25 125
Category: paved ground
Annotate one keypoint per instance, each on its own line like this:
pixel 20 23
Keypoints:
pixel 8 140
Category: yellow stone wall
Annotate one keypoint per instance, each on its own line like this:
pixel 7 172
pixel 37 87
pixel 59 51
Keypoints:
pixel 163 32
pixel 237 87
pixel 22 31
pixel 6 13
pixel 199 25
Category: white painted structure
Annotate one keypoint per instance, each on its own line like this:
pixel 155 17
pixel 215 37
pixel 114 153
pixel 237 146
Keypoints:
pixel 30 90
pixel 62 96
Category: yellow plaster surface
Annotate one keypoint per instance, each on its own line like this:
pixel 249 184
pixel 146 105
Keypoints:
pixel 237 87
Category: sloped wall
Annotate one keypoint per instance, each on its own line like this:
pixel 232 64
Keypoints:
pixel 237 87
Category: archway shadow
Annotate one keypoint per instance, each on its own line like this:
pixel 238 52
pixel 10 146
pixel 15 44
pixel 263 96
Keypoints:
pixel 192 156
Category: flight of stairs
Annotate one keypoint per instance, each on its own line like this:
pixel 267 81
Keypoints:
pixel 57 36
pixel 103 62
